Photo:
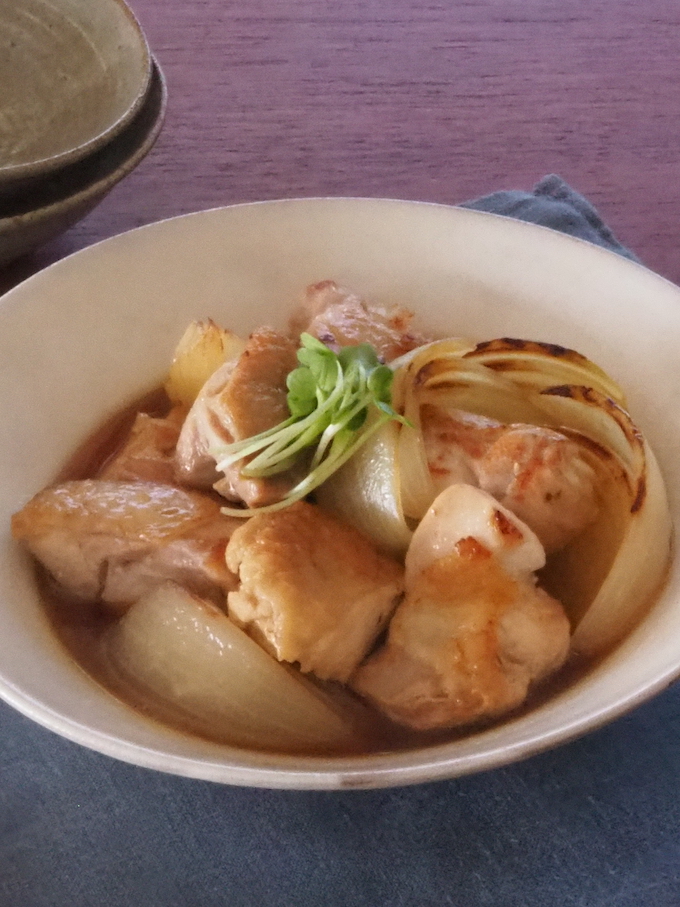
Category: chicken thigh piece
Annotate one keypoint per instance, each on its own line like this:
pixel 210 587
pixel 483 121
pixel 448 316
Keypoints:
pixel 542 477
pixel 244 397
pixel 539 474
pixel 338 317
pixel 473 632
pixel 148 453
pixel 114 541
pixel 312 589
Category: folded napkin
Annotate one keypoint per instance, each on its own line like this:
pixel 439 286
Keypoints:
pixel 592 823
pixel 553 203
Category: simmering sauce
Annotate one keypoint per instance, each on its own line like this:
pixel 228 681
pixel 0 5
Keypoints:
pixel 81 628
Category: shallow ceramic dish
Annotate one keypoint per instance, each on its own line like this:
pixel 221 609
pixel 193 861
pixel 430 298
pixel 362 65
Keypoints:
pixel 101 327
pixel 67 196
pixel 73 76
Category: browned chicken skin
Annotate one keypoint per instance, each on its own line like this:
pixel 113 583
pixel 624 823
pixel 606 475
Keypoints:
pixel 465 644
pixel 474 631
pixel 312 590
pixel 539 474
pixel 114 541
pixel 338 317
pixel 241 399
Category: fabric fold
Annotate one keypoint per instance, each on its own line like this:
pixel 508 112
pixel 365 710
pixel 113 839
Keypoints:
pixel 553 203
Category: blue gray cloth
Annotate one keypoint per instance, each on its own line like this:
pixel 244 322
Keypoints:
pixel 553 203
pixel 595 823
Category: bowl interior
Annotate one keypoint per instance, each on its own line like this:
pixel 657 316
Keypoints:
pixel 101 326
pixel 72 74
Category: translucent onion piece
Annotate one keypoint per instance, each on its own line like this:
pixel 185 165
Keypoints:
pixel 637 573
pixel 202 349
pixel 200 667
pixel 471 387
pixel 601 420
pixel 417 488
pixel 575 574
pixel 528 362
pixel 451 346
pixel 365 492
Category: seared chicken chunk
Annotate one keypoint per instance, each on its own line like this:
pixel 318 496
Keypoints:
pixel 312 590
pixel 543 478
pixel 193 463
pixel 465 644
pixel 338 317
pixel 243 397
pixel 148 454
pixel 461 512
pixel 114 541
pixel 473 632
pixel 539 474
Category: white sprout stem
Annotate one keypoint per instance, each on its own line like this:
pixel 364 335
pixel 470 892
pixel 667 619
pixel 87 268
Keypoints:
pixel 297 437
pixel 288 438
pixel 270 460
pixel 231 453
pixel 315 478
pixel 336 426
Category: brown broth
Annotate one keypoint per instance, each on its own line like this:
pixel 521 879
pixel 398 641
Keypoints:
pixel 93 454
pixel 81 628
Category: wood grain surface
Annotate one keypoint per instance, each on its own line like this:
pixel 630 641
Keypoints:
pixel 440 100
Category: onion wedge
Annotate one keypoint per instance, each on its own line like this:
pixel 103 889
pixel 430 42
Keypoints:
pixel 200 668
pixel 637 571
pixel 607 576
pixel 366 492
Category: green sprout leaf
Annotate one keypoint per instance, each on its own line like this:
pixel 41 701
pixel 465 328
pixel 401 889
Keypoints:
pixel 301 392
pixel 380 384
pixel 336 402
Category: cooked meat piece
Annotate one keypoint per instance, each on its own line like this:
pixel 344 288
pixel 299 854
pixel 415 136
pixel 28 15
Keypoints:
pixel 313 590
pixel 464 645
pixel 454 440
pixel 463 511
pixel 539 474
pixel 202 428
pixel 114 541
pixel 542 477
pixel 474 632
pixel 243 398
pixel 338 317
pixel 148 454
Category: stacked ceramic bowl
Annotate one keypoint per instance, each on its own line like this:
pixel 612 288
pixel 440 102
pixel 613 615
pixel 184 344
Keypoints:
pixel 82 101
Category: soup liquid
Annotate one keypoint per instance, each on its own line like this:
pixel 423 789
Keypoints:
pixel 81 629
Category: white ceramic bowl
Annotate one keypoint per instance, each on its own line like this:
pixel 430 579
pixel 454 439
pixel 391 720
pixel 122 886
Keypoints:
pixel 87 335
pixel 73 75
pixel 59 201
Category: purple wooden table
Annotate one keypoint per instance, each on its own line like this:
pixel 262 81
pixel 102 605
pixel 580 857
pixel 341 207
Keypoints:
pixel 440 100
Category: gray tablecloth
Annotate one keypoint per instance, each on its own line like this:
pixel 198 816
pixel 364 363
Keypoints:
pixel 593 823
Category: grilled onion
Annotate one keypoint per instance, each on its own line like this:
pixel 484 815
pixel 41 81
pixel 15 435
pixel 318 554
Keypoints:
pixel 192 664
pixel 605 577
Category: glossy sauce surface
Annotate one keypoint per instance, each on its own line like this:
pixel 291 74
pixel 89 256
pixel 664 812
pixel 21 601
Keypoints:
pixel 81 628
